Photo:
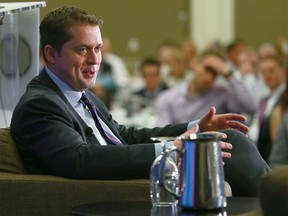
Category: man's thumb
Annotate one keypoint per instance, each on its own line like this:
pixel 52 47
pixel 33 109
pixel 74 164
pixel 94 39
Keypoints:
pixel 210 113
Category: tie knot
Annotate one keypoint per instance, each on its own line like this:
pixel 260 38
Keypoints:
pixel 86 100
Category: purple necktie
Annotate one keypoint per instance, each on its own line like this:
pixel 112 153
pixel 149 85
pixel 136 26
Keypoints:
pixel 107 135
pixel 262 108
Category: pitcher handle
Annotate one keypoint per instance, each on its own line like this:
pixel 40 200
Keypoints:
pixel 162 181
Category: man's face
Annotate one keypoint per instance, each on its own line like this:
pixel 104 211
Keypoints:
pixel 273 74
pixel 78 62
pixel 204 79
pixel 151 76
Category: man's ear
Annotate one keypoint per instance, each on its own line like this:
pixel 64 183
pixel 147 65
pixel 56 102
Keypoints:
pixel 49 53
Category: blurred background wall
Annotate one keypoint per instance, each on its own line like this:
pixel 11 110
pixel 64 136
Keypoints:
pixel 136 27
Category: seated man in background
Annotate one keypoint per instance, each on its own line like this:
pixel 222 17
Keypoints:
pixel 153 83
pixel 173 66
pixel 192 99
pixel 262 131
pixel 139 104
pixel 61 128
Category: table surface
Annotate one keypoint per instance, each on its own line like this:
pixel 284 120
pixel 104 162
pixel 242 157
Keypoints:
pixel 235 205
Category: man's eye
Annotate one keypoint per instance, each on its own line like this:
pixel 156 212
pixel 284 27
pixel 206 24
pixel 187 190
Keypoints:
pixel 82 50
pixel 98 49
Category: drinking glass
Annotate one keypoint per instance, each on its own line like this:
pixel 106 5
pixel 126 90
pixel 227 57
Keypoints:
pixel 159 173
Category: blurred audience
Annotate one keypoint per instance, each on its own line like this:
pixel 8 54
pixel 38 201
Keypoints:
pixel 279 132
pixel 282 47
pixel 113 75
pixel 173 68
pixel 193 98
pixel 178 72
pixel 164 53
pixel 273 72
pixel 106 86
pixel 153 83
pixel 139 105
pixel 248 73
pixel 118 66
pixel 190 54
pixel 232 51
pixel 266 49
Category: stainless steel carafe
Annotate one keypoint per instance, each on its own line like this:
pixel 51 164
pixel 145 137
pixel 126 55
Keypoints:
pixel 201 174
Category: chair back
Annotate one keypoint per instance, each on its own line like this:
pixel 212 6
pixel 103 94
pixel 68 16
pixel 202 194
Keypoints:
pixel 10 160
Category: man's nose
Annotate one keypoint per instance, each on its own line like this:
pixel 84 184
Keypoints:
pixel 94 57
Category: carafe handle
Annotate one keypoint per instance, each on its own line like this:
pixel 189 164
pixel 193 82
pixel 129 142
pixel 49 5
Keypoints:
pixel 171 184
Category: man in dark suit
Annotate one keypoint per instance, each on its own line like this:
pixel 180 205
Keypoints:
pixel 153 83
pixel 141 102
pixel 59 132
pixel 263 128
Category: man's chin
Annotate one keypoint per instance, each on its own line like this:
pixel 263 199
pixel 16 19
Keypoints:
pixel 85 85
pixel 91 84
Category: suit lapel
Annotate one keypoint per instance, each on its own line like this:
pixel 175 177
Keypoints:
pixel 45 79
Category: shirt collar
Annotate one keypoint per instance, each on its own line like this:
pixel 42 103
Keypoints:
pixel 72 95
pixel 278 91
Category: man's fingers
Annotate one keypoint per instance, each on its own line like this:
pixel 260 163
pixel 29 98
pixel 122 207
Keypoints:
pixel 207 118
pixel 226 155
pixel 226 145
pixel 193 130
pixel 212 111
pixel 234 117
pixel 238 126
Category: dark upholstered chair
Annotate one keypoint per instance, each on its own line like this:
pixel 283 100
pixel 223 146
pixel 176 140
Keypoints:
pixel 26 194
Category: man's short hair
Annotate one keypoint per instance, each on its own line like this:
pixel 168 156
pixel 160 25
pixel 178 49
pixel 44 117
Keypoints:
pixel 54 27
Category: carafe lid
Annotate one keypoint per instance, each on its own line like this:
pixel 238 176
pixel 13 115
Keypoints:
pixel 205 136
